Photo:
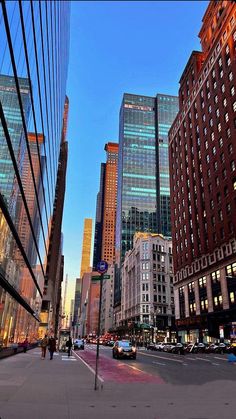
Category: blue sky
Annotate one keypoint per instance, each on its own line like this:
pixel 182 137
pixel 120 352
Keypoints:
pixel 115 47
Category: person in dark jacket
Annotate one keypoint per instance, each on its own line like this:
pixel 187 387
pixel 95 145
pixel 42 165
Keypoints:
pixel 69 346
pixel 25 345
pixel 51 346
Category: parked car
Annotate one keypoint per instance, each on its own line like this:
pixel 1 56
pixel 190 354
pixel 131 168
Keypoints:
pixel 160 346
pixel 211 348
pixel 168 346
pixel 189 347
pixel 151 347
pixel 199 347
pixel 222 348
pixel 78 344
pixel 178 349
pixel 123 349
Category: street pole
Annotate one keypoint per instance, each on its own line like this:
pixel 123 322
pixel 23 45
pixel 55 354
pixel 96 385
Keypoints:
pixel 99 321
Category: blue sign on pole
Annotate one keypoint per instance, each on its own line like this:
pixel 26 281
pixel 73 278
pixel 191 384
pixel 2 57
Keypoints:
pixel 102 267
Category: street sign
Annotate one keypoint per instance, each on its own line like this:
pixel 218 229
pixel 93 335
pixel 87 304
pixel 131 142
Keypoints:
pixel 102 267
pixel 106 276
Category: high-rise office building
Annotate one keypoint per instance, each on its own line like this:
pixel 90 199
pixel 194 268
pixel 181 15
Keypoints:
pixel 77 300
pixel 86 247
pixel 27 182
pixel 143 173
pixel 12 112
pixel 32 95
pixel 110 203
pixel 97 248
pixel 203 181
pixel 54 276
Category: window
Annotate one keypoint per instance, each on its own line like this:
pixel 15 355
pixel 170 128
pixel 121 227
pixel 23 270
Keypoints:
pixel 234 106
pixel 230 76
pixel 232 297
pixel 202 282
pixel 232 165
pixel 191 286
pixel 232 91
pixel 204 304
pixel 230 149
pixel 215 276
pixel 231 269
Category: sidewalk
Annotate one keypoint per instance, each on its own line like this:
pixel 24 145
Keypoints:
pixel 64 389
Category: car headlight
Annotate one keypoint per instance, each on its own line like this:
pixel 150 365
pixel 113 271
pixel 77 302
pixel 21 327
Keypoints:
pixel 133 349
pixel 120 349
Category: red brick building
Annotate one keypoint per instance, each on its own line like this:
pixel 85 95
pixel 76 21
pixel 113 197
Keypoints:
pixel 202 155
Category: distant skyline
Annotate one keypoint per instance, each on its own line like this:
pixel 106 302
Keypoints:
pixel 115 47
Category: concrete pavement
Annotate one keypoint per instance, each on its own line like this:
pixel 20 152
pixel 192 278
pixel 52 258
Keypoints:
pixel 64 389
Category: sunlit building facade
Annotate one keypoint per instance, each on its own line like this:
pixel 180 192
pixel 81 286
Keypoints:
pixel 32 96
pixel 86 247
pixel 203 182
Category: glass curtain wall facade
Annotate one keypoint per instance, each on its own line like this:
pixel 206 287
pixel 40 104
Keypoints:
pixel 166 111
pixel 143 171
pixel 34 37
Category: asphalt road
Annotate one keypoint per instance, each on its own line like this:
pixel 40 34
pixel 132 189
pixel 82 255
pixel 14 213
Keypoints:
pixel 193 369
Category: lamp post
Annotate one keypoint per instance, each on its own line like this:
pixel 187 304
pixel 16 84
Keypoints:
pixel 101 268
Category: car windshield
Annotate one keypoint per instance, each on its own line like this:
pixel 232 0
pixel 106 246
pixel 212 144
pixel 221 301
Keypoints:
pixel 125 344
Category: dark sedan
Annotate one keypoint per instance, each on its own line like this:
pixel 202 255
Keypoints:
pixel 124 349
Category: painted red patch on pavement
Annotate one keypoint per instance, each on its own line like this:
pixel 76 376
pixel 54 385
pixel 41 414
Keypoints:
pixel 111 370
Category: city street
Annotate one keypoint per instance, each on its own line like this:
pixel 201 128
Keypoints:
pixel 155 386
pixel 162 367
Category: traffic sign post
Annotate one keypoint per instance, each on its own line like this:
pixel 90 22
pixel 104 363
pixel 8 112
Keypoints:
pixel 101 268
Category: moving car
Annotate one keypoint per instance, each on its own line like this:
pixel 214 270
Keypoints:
pixel 123 349
pixel 78 344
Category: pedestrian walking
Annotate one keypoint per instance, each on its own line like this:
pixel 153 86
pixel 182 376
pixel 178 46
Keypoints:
pixel 44 345
pixel 69 346
pixel 25 345
pixel 51 346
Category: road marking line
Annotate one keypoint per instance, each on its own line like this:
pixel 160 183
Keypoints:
pixel 222 359
pixel 165 358
pixel 203 359
pixel 88 366
pixel 68 359
pixel 158 363
pixel 213 363
pixel 191 359
pixel 131 366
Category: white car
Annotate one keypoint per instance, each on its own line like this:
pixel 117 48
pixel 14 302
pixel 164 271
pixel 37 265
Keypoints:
pixel 159 346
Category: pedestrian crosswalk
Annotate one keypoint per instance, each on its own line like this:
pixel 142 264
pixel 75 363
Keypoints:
pixel 68 358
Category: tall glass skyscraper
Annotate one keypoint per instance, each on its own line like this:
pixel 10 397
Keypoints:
pixel 34 38
pixel 143 173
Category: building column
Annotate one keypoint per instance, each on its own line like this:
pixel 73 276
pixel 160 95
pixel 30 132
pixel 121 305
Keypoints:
pixel 176 300
pixel 224 289
pixel 186 301
pixel 197 298
pixel 209 294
